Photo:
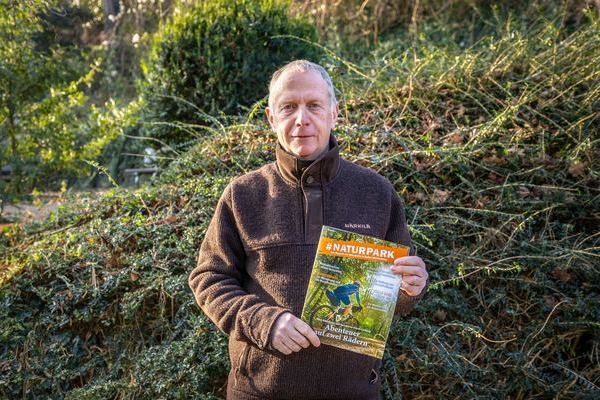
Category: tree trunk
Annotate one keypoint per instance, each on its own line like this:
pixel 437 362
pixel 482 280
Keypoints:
pixel 14 159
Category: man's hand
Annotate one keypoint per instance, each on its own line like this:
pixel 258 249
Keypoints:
pixel 414 274
pixel 292 334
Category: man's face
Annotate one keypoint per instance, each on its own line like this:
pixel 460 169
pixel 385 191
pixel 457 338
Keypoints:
pixel 302 114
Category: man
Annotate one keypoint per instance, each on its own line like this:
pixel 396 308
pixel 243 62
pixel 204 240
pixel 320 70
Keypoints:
pixel 340 296
pixel 256 258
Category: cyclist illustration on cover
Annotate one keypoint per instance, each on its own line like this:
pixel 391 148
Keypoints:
pixel 340 296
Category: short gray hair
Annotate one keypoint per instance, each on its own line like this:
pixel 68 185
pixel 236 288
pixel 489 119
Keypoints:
pixel 303 66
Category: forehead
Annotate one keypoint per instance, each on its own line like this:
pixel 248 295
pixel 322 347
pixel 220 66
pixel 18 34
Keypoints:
pixel 295 84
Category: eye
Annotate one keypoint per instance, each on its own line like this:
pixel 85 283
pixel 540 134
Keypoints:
pixel 314 105
pixel 288 107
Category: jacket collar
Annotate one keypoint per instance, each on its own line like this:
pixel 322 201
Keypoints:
pixel 322 169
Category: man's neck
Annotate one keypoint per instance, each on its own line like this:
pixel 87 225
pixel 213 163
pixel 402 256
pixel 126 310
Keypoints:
pixel 293 167
pixel 314 157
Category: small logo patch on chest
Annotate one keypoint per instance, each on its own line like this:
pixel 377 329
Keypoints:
pixel 363 226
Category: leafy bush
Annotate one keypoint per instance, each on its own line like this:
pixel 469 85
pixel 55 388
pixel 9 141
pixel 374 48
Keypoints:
pixel 352 27
pixel 50 124
pixel 217 57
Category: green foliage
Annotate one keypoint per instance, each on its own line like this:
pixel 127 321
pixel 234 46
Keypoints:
pixel 493 146
pixel 216 57
pixel 48 123
pixel 353 27
pixel 113 308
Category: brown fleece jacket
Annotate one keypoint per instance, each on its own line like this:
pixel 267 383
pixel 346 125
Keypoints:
pixel 255 263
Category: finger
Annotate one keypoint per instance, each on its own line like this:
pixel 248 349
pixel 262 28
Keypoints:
pixel 411 290
pixel 413 280
pixel 410 260
pixel 408 270
pixel 307 332
pixel 291 344
pixel 279 345
pixel 298 338
pixel 407 288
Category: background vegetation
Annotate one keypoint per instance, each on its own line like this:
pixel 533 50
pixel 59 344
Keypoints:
pixel 484 117
pixel 216 59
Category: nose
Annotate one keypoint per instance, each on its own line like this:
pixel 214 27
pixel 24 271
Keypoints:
pixel 301 117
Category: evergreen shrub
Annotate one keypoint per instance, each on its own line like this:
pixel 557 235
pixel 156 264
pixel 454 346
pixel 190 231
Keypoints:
pixel 213 58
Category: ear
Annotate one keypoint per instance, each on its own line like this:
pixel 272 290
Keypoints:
pixel 334 114
pixel 270 118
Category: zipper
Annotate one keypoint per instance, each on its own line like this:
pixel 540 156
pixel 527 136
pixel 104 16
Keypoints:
pixel 303 213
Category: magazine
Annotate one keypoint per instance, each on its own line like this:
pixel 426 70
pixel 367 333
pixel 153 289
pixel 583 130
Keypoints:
pixel 352 293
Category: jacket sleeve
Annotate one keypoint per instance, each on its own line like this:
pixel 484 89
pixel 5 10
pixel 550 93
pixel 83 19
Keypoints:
pixel 216 281
pixel 398 233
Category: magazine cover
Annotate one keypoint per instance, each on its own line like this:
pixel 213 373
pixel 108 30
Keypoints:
pixel 352 293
